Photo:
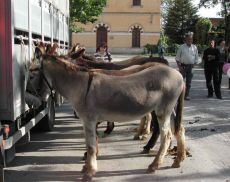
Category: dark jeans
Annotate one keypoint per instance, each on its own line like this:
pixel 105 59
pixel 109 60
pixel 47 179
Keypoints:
pixel 212 74
pixel 187 75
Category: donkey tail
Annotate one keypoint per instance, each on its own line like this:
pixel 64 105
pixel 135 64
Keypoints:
pixel 179 111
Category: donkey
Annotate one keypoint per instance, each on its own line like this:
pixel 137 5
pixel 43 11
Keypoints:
pixel 136 63
pixel 81 59
pixel 100 97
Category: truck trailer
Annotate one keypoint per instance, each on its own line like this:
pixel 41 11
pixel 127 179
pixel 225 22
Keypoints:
pixel 24 23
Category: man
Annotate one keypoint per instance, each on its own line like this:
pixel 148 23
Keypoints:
pixel 186 57
pixel 211 58
pixel 161 50
pixel 223 59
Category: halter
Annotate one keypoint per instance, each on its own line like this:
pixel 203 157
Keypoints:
pixel 45 79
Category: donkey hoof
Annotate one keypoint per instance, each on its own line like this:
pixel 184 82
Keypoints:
pixel 85 156
pixel 87 177
pixel 108 131
pixel 84 169
pixel 136 137
pixel 176 164
pixel 145 151
pixel 144 137
pixel 151 169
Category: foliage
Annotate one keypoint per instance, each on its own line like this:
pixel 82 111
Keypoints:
pixel 181 18
pixel 165 4
pixel 211 3
pixel 203 26
pixel 84 11
pixel 201 48
pixel 151 48
pixel 163 39
pixel 225 12
pixel 172 48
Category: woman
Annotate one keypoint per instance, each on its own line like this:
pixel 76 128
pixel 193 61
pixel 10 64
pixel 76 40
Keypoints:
pixel 223 58
pixel 102 53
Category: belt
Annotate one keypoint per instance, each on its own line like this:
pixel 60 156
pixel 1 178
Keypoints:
pixel 182 64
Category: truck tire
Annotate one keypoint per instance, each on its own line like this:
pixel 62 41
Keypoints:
pixel 47 123
pixel 2 173
pixel 58 99
pixel 75 114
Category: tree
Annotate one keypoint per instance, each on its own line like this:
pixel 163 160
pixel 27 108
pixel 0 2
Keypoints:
pixel 84 11
pixel 225 12
pixel 203 26
pixel 181 18
pixel 165 4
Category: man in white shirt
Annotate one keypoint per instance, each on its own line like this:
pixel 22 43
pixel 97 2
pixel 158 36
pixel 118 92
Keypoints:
pixel 186 57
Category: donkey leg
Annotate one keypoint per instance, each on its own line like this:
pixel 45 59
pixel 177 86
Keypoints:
pixel 90 167
pixel 109 128
pixel 140 129
pixel 181 153
pixel 166 135
pixel 146 130
pixel 97 140
pixel 155 134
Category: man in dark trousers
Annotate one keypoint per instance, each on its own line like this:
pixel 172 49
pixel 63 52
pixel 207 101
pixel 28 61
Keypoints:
pixel 211 58
pixel 186 58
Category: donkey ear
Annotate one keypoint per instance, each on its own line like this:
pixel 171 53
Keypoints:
pixel 53 49
pixel 78 54
pixel 81 51
pixel 39 51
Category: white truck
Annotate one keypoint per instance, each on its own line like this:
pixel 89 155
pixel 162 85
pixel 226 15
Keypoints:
pixel 22 24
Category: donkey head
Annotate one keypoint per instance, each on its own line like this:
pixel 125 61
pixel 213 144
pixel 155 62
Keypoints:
pixel 36 79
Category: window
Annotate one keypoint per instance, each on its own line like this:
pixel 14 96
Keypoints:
pixel 136 2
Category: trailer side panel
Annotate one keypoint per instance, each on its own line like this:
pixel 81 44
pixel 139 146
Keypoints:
pixel 6 91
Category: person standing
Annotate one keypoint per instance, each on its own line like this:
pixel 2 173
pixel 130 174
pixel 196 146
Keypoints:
pixel 186 57
pixel 211 58
pixel 223 59
pixel 228 60
pixel 161 50
pixel 102 53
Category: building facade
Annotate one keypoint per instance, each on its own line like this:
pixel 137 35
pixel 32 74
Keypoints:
pixel 125 25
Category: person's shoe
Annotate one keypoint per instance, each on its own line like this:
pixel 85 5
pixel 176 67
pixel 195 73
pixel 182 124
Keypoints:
pixel 219 97
pixel 210 96
pixel 187 98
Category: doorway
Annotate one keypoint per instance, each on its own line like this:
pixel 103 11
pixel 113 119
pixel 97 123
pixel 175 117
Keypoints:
pixel 101 35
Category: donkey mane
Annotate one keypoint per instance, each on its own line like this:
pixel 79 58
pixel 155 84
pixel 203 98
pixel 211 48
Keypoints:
pixel 124 72
pixel 69 66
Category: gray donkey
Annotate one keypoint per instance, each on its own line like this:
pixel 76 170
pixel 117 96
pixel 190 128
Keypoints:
pixel 102 97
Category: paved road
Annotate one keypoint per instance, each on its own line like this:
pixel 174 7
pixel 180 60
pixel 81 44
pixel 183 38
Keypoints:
pixel 56 156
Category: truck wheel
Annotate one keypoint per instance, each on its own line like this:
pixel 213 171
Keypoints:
pixel 58 101
pixel 47 123
pixel 2 174
pixel 75 114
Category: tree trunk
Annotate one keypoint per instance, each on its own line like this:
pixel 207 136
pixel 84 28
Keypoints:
pixel 227 30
